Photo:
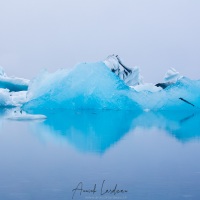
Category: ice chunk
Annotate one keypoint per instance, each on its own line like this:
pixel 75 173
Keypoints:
pixel 130 75
pixel 87 86
pixel 11 99
pixel 135 77
pixel 12 83
pixel 5 98
pixel 112 63
pixel 21 116
pixel 18 98
pixel 172 76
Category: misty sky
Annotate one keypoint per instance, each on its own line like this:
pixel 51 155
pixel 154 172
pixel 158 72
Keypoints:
pixel 52 34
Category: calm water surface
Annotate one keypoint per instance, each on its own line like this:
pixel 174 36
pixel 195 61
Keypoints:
pixel 152 156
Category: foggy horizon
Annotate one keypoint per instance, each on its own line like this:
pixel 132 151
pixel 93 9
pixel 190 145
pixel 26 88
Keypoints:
pixel 154 35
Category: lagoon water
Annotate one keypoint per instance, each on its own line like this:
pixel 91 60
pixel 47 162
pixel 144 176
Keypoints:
pixel 152 156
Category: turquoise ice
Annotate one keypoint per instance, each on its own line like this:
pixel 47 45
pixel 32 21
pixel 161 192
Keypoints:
pixel 87 86
pixel 93 86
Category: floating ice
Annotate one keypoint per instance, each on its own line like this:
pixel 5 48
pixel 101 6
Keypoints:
pixel 11 99
pixel 92 86
pixel 87 86
pixel 13 84
pixel 5 98
pixel 18 98
pixel 183 95
pixel 12 90
pixel 20 115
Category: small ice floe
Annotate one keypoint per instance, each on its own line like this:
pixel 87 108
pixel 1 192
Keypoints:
pixel 23 116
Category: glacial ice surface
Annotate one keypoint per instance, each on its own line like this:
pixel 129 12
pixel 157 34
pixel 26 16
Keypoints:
pixel 13 84
pixel 5 98
pixel 12 99
pixel 92 86
pixel 182 95
pixel 87 86
pixel 172 76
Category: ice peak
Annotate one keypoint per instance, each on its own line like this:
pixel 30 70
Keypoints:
pixel 130 75
pixel 172 75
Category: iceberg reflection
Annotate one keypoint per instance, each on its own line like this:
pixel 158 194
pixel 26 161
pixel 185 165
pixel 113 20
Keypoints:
pixel 89 131
pixel 96 131
pixel 184 126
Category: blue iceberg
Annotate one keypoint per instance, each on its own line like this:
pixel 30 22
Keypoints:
pixel 12 90
pixel 182 95
pixel 87 86
pixel 13 84
pixel 94 86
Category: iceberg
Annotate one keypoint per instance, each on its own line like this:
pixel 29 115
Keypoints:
pixel 13 84
pixel 13 90
pixel 87 86
pixel 182 95
pixel 102 86
pixel 94 86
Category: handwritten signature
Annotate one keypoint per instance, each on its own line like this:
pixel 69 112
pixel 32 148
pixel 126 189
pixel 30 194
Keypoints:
pixel 94 190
